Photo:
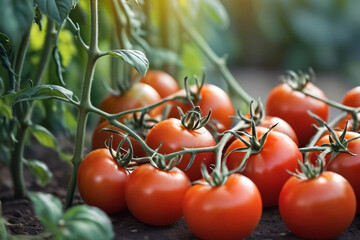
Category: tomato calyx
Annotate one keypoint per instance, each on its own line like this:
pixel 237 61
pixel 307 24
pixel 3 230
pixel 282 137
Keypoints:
pixel 192 119
pixel 218 177
pixel 159 160
pixel 298 81
pixel 257 114
pixel 252 146
pixel 141 124
pixel 121 158
pixel 308 170
pixel 337 144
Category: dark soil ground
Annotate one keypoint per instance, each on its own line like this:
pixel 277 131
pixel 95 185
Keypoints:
pixel 21 219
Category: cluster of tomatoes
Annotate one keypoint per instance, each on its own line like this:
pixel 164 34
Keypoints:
pixel 255 163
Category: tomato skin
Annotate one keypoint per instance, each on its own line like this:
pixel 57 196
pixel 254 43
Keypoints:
pixel 101 181
pixel 293 106
pixel 161 81
pixel 155 196
pixel 174 137
pixel 139 95
pixel 351 99
pixel 99 137
pixel 282 126
pixel 214 98
pixel 229 211
pixel 319 208
pixel 344 164
pixel 267 169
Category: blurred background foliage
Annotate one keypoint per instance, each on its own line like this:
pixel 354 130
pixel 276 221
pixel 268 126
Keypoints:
pixel 275 35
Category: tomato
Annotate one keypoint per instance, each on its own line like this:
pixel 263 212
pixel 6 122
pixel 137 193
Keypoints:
pixel 293 106
pixel 139 95
pixel 101 181
pixel 344 164
pixel 162 82
pixel 267 169
pixel 99 137
pixel 155 196
pixel 229 211
pixel 351 99
pixel 173 137
pixel 214 98
pixel 281 126
pixel 318 208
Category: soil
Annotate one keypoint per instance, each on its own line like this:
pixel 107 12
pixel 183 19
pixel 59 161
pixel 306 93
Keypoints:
pixel 21 219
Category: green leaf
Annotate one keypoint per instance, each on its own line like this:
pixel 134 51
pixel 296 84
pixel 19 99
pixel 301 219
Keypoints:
pixel 3 230
pixel 216 11
pixel 16 18
pixel 42 92
pixel 48 209
pixel 40 169
pixel 86 222
pixel 135 58
pixel 5 110
pixel 57 10
pixel 43 136
pixel 5 48
pixel 58 63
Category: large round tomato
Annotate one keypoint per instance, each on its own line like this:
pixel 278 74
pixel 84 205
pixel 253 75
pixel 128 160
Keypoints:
pixel 173 137
pixel 351 99
pixel 318 208
pixel 211 97
pixel 293 106
pixel 155 196
pixel 99 137
pixel 229 211
pixel 161 81
pixel 139 95
pixel 344 164
pixel 101 181
pixel 268 168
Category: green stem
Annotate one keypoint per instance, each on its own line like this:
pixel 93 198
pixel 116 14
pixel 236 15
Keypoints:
pixel 85 103
pixel 20 57
pixel 219 63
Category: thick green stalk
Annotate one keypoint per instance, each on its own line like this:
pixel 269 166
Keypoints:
pixel 85 104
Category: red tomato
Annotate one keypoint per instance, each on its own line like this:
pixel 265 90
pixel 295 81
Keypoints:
pixel 162 82
pixel 318 208
pixel 174 137
pixel 139 95
pixel 351 99
pixel 155 196
pixel 267 169
pixel 101 181
pixel 214 98
pixel 344 164
pixel 281 126
pixel 229 211
pixel 293 106
pixel 99 137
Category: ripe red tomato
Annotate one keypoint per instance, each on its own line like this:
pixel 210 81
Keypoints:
pixel 99 137
pixel 281 126
pixel 101 181
pixel 344 164
pixel 139 95
pixel 293 106
pixel 173 137
pixel 155 196
pixel 267 169
pixel 318 208
pixel 161 81
pixel 351 99
pixel 214 98
pixel 229 211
